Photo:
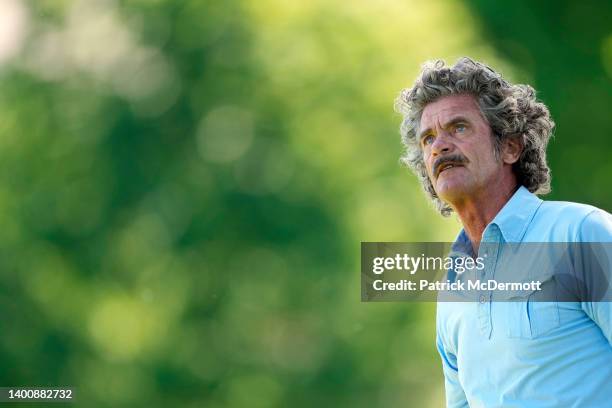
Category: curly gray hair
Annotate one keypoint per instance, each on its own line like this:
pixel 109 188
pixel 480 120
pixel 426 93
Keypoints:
pixel 510 110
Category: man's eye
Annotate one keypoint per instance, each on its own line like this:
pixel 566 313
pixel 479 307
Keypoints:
pixel 427 140
pixel 460 128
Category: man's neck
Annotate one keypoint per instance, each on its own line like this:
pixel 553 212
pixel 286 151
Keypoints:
pixel 477 212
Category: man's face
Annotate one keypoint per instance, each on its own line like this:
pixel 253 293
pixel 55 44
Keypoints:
pixel 458 148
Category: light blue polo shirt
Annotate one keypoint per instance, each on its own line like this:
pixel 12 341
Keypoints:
pixel 515 354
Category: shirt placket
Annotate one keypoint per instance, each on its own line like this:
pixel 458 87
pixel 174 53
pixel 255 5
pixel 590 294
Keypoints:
pixel 488 251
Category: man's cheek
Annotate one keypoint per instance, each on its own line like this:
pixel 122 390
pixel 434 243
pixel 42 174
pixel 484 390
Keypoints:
pixel 430 171
pixel 427 164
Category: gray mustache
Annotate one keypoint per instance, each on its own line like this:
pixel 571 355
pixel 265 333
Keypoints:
pixel 451 158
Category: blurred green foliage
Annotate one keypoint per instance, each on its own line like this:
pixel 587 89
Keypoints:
pixel 184 186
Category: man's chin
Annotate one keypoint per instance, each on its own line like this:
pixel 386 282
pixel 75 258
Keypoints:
pixel 451 193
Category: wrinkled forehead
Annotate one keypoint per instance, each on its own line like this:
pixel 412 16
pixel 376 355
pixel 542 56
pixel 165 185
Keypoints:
pixel 446 108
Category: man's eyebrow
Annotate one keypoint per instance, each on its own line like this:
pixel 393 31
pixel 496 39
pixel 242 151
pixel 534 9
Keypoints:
pixel 424 132
pixel 452 121
pixel 455 120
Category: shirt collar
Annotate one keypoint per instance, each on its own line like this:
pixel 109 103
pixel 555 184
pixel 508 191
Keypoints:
pixel 512 220
pixel 514 217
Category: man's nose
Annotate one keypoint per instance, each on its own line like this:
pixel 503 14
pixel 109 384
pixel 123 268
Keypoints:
pixel 441 144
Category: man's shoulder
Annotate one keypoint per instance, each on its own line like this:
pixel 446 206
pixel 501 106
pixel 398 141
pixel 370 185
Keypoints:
pixel 574 221
pixel 567 209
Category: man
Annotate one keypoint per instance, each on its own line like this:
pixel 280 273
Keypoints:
pixel 478 145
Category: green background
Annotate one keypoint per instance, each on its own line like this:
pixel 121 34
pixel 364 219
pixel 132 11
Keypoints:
pixel 184 186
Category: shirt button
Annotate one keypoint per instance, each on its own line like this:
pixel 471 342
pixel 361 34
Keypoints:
pixel 483 299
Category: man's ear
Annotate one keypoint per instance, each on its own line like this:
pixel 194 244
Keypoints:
pixel 512 149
